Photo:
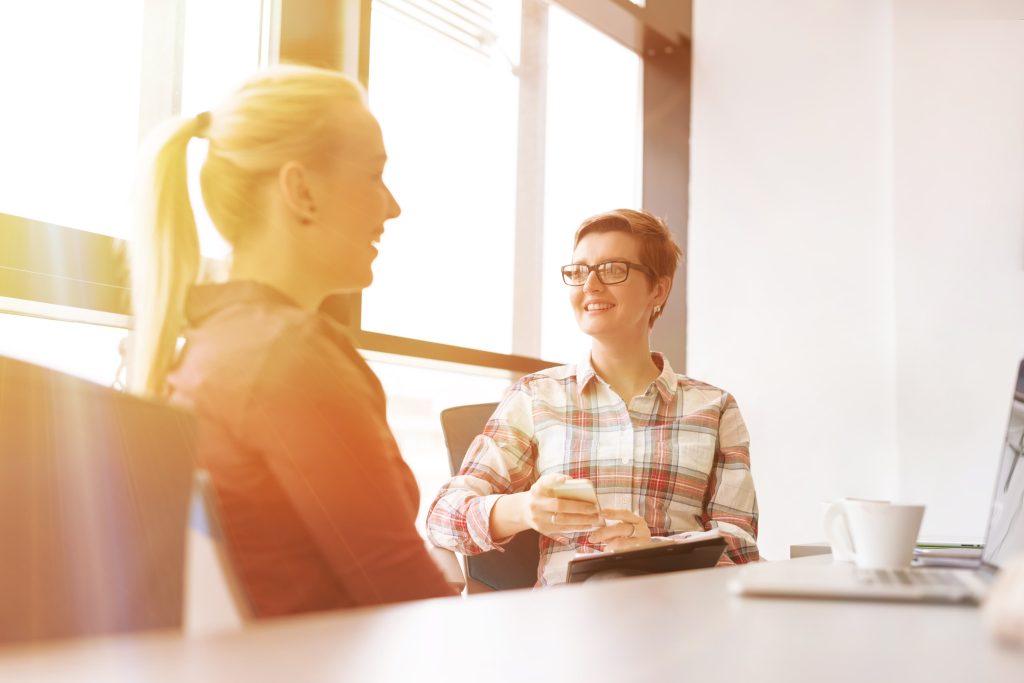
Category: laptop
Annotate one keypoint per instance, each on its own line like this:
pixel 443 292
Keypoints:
pixel 1004 538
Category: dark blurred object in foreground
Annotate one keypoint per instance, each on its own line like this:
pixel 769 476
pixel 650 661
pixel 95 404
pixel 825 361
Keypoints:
pixel 94 494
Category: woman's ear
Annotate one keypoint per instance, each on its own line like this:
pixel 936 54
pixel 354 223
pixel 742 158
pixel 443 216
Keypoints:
pixel 293 182
pixel 662 288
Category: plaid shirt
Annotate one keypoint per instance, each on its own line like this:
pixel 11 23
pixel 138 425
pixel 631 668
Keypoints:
pixel 678 455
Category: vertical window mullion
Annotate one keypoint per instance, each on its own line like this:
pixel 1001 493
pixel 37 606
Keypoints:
pixel 163 46
pixel 529 226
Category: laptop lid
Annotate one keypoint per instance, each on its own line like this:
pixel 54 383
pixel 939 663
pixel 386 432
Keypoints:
pixel 1005 536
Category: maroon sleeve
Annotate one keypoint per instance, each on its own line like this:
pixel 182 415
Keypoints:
pixel 317 414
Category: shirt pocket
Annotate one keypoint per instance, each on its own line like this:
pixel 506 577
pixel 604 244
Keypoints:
pixel 684 451
pixel 680 468
pixel 696 451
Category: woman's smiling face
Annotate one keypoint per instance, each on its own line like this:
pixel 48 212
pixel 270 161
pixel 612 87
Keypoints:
pixel 611 310
pixel 352 205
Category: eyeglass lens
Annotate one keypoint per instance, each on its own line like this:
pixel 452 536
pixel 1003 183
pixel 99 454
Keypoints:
pixel 609 273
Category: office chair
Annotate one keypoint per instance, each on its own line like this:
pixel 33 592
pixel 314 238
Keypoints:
pixel 94 494
pixel 215 600
pixel 494 570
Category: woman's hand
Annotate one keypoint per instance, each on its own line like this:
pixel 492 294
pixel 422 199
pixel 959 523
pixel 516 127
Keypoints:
pixel 631 531
pixel 555 517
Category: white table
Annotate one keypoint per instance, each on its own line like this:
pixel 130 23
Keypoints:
pixel 673 627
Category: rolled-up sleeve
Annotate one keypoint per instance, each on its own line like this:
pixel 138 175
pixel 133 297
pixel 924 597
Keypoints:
pixel 731 502
pixel 499 461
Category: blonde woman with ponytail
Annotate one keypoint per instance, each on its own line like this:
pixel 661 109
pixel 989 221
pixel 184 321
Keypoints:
pixel 318 506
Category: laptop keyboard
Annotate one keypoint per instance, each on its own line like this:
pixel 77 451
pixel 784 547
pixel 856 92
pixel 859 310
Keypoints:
pixel 910 577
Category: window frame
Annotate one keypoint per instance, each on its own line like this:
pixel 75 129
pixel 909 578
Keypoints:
pixel 73 275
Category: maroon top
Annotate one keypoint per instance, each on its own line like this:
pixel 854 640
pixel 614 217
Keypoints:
pixel 317 506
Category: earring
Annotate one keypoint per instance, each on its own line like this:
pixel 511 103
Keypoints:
pixel 657 309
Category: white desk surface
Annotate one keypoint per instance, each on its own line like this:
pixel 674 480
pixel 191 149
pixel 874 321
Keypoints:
pixel 672 627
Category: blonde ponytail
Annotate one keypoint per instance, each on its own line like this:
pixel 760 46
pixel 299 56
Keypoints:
pixel 164 253
pixel 283 113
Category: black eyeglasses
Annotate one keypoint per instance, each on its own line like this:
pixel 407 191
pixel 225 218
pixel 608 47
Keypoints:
pixel 609 272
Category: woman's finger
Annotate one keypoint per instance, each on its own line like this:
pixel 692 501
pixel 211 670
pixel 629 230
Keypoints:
pixel 612 531
pixel 544 485
pixel 564 519
pixel 567 505
pixel 622 515
pixel 626 543
pixel 546 510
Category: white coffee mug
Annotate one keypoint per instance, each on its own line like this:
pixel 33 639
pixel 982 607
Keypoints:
pixel 836 533
pixel 873 534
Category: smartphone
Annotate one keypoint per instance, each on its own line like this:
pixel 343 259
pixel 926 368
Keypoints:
pixel 579 489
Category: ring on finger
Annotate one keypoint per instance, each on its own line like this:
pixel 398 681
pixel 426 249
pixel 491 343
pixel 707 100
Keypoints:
pixel 553 518
pixel 632 533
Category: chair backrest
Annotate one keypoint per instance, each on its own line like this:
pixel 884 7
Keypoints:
pixel 94 494
pixel 517 566
pixel 214 598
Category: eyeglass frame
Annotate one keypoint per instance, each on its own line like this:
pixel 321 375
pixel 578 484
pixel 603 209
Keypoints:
pixel 630 266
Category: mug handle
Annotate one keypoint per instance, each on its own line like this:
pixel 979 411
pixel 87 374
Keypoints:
pixel 837 530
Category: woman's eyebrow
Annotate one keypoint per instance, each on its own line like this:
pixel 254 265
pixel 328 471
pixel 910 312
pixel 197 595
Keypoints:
pixel 375 160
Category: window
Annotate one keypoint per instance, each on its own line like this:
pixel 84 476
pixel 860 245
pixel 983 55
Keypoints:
pixel 417 393
pixel 447 103
pixel 71 122
pixel 516 154
pixel 89 96
pixel 87 351
pixel 104 73
pixel 507 122
pixel 593 160
pixel 454 104
pixel 225 42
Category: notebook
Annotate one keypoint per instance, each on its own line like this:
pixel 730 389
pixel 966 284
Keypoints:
pixel 1003 539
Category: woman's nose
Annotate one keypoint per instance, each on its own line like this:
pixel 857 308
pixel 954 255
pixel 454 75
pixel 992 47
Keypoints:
pixel 592 283
pixel 394 209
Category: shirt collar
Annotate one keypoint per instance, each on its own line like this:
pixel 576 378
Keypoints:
pixel 584 374
pixel 666 383
pixel 207 300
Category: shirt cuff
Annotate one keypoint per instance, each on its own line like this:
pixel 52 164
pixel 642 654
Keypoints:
pixel 478 523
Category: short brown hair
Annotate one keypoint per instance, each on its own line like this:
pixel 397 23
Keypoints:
pixel 658 250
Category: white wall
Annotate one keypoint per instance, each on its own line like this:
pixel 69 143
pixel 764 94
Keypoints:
pixel 857 246
pixel 790 268
pixel 959 238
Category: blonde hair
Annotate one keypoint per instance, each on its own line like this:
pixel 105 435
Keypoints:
pixel 284 113
pixel 658 249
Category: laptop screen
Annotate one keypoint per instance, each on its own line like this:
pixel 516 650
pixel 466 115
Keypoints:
pixel 1005 536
